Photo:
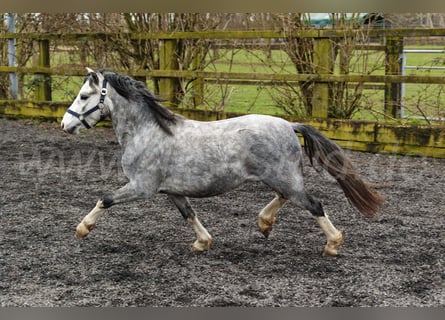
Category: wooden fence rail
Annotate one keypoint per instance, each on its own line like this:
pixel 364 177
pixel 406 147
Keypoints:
pixel 365 136
pixel 267 34
pixel 272 77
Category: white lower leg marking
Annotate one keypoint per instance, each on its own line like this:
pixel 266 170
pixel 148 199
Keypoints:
pixel 203 238
pixel 266 218
pixel 334 236
pixel 89 221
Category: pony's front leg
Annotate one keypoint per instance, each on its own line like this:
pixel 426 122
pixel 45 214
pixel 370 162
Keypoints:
pixel 203 238
pixel 89 221
pixel 125 194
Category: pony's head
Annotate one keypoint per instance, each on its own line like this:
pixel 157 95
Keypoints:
pixel 89 107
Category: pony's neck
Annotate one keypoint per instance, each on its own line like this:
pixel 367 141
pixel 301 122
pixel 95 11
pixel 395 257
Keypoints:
pixel 129 119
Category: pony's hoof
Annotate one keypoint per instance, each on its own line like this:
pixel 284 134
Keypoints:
pixel 83 230
pixel 265 226
pixel 329 252
pixel 201 245
pixel 332 245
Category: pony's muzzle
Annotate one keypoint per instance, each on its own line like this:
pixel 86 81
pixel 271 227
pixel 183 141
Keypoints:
pixel 65 128
pixel 68 129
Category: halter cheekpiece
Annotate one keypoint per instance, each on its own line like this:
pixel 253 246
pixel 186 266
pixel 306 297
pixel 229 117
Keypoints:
pixel 100 106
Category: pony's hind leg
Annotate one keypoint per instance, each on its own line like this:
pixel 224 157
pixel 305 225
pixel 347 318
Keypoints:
pixel 334 236
pixel 203 238
pixel 266 218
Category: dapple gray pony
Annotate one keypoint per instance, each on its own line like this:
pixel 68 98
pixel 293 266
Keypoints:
pixel 165 153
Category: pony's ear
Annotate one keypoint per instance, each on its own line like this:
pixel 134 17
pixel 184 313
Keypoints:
pixel 92 75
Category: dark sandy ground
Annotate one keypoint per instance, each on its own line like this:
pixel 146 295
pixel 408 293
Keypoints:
pixel 139 255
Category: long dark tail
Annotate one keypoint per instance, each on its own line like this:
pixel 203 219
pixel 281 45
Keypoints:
pixel 331 158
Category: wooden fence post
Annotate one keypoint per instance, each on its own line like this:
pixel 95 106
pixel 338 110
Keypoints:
pixel 322 61
pixel 43 91
pixel 393 66
pixel 12 57
pixel 168 87
pixel 198 83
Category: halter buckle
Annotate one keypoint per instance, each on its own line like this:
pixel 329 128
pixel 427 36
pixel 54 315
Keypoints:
pixel 104 91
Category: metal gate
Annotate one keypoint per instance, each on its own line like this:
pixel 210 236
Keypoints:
pixel 406 67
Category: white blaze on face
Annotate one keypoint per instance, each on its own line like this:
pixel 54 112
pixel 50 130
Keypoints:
pixel 85 100
pixel 70 124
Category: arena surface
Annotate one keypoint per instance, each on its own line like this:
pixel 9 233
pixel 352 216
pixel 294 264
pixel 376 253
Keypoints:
pixel 138 255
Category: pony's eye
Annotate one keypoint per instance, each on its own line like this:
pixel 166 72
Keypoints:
pixel 84 97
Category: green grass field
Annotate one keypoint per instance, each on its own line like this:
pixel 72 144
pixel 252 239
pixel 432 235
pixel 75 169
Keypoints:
pixel 420 99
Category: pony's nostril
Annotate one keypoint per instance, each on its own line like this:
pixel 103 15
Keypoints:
pixel 64 128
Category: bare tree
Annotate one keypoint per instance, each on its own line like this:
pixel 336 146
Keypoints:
pixel 345 98
pixel 300 50
pixel 143 54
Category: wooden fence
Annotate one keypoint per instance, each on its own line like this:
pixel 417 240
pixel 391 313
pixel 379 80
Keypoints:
pixel 357 135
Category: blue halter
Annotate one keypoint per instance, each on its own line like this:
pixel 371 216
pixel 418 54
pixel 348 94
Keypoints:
pixel 99 106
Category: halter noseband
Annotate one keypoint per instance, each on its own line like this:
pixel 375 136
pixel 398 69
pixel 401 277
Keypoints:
pixel 99 106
